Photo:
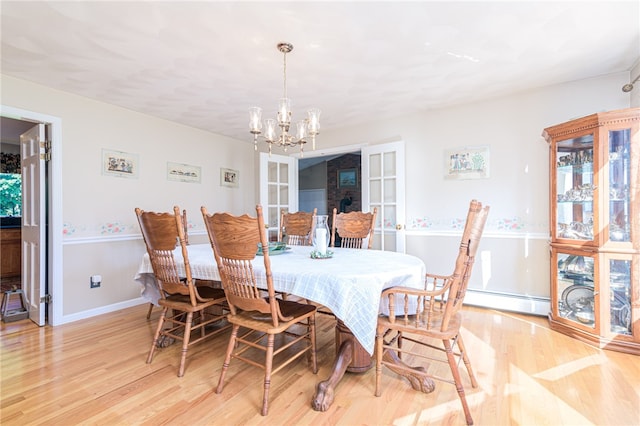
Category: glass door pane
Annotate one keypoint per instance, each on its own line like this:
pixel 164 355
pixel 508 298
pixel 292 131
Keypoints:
pixel 619 180
pixel 620 300
pixel 575 188
pixel 575 289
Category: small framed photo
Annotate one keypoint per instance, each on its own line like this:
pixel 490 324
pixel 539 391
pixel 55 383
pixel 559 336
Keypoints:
pixel 183 172
pixel 348 178
pixel 119 164
pixel 467 163
pixel 229 177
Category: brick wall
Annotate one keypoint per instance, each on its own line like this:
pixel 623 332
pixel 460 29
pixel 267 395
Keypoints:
pixel 335 194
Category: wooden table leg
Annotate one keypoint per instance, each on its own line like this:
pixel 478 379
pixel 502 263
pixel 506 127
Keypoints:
pixel 325 391
pixel 350 356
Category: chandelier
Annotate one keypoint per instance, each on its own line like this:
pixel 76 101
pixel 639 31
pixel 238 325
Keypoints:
pixel 309 127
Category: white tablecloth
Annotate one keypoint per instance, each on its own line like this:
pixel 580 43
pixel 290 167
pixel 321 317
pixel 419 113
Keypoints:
pixel 349 284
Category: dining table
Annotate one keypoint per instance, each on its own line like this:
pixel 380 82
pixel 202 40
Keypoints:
pixel 349 283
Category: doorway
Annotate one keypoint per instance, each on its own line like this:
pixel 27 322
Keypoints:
pixel 50 265
pixel 363 178
pixel 11 208
pixel 320 185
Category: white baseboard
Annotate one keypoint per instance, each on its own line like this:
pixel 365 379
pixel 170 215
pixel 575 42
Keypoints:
pixel 508 302
pixel 102 310
pixel 499 301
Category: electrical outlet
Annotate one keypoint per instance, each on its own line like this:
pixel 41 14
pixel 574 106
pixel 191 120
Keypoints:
pixel 95 281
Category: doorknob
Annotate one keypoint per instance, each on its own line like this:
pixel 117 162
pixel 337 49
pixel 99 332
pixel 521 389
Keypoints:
pixel 398 227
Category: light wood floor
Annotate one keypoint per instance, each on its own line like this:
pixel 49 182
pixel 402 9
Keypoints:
pixel 94 372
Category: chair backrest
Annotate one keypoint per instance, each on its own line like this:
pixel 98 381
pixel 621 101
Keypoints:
pixel 185 225
pixel 161 233
pixel 474 226
pixel 353 228
pixel 234 240
pixel 296 227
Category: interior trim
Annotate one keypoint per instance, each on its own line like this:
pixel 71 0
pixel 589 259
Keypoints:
pixel 508 302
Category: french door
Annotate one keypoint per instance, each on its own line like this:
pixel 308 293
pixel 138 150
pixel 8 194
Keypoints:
pixel 278 189
pixel 383 187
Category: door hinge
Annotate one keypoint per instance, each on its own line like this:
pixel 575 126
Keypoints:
pixel 46 299
pixel 46 145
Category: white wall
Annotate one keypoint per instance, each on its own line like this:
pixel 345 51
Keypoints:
pixel 635 93
pixel 100 231
pixel 514 252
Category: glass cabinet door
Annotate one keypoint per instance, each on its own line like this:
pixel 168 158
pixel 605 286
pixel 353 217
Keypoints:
pixel 620 296
pixel 619 180
pixel 574 188
pixel 575 290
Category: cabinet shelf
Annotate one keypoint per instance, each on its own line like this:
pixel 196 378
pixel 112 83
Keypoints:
pixel 576 168
pixel 595 229
pixel 575 201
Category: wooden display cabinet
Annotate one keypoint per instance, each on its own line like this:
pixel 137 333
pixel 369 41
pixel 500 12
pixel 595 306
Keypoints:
pixel 594 164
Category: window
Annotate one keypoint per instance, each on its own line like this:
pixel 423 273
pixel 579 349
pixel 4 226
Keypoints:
pixel 10 185
pixel 10 194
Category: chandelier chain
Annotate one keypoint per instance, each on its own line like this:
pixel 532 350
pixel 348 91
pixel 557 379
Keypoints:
pixel 285 75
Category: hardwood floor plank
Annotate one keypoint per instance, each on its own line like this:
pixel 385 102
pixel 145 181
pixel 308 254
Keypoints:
pixel 94 372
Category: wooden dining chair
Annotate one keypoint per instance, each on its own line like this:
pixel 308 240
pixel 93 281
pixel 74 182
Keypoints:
pixel 234 240
pixel 162 232
pixel 186 239
pixel 353 228
pixel 296 227
pixel 429 315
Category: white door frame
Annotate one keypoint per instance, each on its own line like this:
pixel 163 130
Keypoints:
pixel 54 206
pixel 325 152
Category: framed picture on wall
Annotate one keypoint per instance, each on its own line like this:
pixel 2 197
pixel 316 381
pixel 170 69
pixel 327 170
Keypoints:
pixel 229 177
pixel 183 172
pixel 467 163
pixel 119 164
pixel 347 178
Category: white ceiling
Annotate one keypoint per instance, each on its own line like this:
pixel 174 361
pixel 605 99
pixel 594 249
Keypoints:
pixel 204 63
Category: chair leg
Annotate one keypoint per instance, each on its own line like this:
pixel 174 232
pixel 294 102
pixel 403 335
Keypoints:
pixel 378 355
pixel 268 366
pixel 157 335
pixel 185 343
pixel 467 363
pixel 227 357
pixel 314 351
pixel 456 378
pixel 149 311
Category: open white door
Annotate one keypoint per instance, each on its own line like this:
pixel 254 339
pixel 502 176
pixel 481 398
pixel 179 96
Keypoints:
pixel 383 187
pixel 32 148
pixel 278 189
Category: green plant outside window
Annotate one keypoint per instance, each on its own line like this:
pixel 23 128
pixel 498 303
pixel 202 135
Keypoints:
pixel 10 194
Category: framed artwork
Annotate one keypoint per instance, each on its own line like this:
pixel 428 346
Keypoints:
pixel 183 172
pixel 229 177
pixel 119 164
pixel 467 163
pixel 348 178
